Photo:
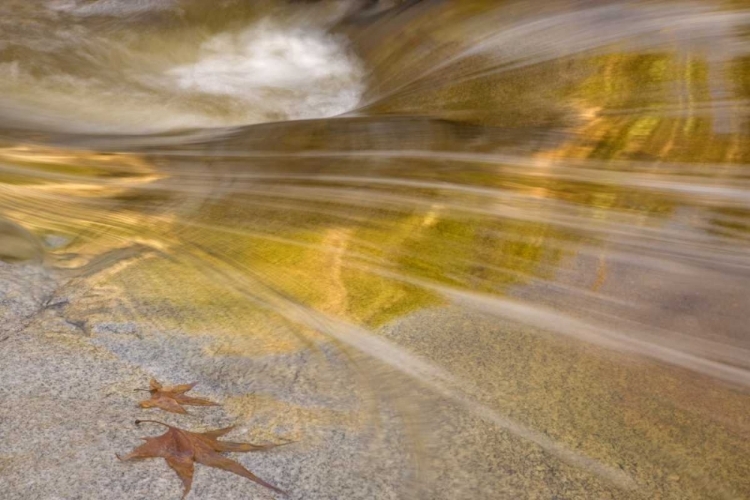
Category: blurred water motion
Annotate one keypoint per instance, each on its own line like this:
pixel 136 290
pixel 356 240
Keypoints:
pixel 539 212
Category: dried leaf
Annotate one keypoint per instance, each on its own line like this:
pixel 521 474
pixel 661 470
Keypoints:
pixel 181 449
pixel 172 398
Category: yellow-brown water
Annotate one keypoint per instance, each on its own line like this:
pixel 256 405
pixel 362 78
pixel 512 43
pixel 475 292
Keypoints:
pixel 535 218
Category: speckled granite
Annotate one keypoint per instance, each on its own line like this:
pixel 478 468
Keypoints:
pixel 362 431
pixel 68 406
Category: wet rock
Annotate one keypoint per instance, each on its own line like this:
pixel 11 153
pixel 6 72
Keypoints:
pixel 24 290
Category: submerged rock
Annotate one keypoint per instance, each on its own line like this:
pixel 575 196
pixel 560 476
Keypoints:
pixel 18 244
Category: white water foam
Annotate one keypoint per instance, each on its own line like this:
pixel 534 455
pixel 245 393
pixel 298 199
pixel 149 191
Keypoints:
pixel 277 71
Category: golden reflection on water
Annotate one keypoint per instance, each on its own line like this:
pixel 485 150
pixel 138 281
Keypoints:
pixel 606 185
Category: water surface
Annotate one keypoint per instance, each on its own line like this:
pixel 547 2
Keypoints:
pixel 510 241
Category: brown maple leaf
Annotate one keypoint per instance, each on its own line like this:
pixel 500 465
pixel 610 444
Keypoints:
pixel 181 449
pixel 172 398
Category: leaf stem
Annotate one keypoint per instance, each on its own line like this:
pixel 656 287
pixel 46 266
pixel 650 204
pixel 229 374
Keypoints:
pixel 138 422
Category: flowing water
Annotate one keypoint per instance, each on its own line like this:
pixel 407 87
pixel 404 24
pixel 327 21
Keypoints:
pixel 505 245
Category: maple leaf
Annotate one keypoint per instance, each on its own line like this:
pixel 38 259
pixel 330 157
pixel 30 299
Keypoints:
pixel 172 398
pixel 181 449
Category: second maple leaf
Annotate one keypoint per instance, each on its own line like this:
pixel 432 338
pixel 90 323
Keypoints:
pixel 172 399
pixel 182 449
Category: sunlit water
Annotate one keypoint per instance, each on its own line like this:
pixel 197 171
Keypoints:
pixel 532 220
